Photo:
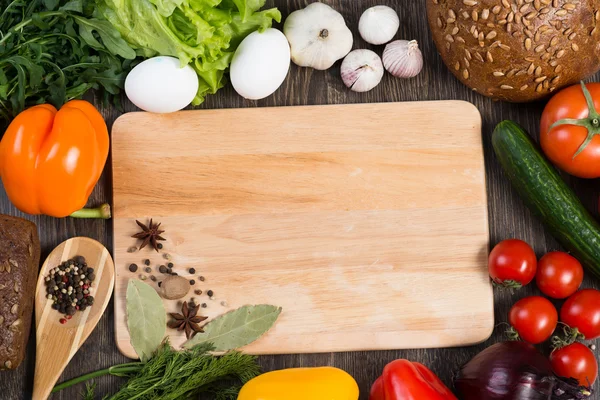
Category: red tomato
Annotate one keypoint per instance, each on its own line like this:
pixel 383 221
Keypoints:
pixel 534 318
pixel 575 361
pixel 582 311
pixel 512 263
pixel 559 275
pixel 562 142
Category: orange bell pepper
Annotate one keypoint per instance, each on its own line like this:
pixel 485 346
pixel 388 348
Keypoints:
pixel 51 160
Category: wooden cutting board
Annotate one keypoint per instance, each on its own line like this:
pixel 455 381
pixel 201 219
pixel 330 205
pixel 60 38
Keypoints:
pixel 367 223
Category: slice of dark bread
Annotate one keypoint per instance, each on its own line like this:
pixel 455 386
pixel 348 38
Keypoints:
pixel 19 266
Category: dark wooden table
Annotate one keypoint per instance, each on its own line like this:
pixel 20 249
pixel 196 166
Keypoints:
pixel 508 216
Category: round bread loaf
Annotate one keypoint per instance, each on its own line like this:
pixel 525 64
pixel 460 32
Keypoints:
pixel 517 50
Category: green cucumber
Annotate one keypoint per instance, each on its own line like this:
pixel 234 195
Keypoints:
pixel 545 193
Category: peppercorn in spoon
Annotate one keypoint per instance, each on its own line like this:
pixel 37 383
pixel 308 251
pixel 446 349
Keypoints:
pixel 73 290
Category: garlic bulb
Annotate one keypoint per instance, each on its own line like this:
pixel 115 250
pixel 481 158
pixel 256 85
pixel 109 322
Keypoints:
pixel 378 24
pixel 362 70
pixel 318 36
pixel 403 59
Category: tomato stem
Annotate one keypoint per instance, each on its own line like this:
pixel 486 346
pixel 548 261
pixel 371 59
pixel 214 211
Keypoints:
pixel 507 284
pixel 591 123
pixel 572 335
pixel 512 334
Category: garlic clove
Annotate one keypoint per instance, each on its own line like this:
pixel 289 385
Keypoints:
pixel 362 70
pixel 378 25
pixel 403 59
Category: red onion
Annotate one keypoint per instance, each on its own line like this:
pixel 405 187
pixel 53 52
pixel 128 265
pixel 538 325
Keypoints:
pixel 514 371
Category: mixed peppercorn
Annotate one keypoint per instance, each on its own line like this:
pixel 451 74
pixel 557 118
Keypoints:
pixel 68 286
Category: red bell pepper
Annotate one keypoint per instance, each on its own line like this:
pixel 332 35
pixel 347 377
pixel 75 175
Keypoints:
pixel 406 380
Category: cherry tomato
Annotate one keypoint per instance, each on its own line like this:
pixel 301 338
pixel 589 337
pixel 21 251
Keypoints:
pixel 534 318
pixel 582 311
pixel 559 275
pixel 575 361
pixel 512 263
pixel 564 144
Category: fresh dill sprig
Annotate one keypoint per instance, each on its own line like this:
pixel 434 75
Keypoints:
pixel 90 391
pixel 173 375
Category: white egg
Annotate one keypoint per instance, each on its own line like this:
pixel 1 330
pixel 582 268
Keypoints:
pixel 260 64
pixel 161 85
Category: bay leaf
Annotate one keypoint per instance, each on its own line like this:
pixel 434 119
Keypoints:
pixel 237 328
pixel 146 318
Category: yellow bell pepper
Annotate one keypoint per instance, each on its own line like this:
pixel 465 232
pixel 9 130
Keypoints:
pixel 323 383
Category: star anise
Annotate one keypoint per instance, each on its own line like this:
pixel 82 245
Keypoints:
pixel 149 234
pixel 188 320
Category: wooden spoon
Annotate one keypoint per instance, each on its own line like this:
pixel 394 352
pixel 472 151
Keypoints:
pixel 57 343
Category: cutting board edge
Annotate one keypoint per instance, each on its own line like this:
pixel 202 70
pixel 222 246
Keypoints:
pixel 122 118
pixel 483 334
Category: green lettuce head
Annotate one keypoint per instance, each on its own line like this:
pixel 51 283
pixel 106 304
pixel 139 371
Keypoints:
pixel 202 33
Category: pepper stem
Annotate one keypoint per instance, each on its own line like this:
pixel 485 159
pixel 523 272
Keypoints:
pixel 591 123
pixel 102 212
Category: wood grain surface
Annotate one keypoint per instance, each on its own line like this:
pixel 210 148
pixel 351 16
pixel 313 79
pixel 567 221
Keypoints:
pixel 508 215
pixel 329 219
pixel 57 343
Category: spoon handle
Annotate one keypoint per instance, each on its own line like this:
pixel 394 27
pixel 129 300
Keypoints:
pixel 54 349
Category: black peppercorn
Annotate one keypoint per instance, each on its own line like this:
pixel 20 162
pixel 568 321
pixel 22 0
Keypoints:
pixel 204 305
pixel 192 282
pixel 162 269
pixel 159 245
pixel 133 267
pixel 147 262
pixel 78 260
pixel 201 278
pixel 148 270
pixel 210 293
pixel 152 278
pixel 170 265
pixel 192 271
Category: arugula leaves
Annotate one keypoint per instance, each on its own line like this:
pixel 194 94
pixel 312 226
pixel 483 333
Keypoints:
pixel 56 50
